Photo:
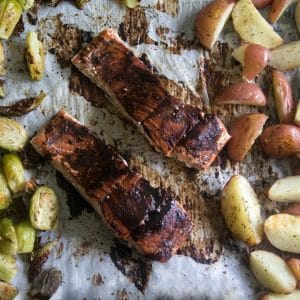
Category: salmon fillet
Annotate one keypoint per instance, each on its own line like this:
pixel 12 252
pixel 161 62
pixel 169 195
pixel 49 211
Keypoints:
pixel 140 96
pixel 151 219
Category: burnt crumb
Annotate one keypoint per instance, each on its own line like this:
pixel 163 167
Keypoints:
pixel 83 249
pixel 45 285
pixel 168 6
pixel 75 201
pixel 32 14
pixel 134 28
pixel 81 85
pixel 97 279
pixel 122 295
pixel 30 158
pixel 134 266
pixel 19 28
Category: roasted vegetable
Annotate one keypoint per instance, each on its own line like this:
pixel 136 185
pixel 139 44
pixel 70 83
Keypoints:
pixel 241 210
pixel 272 271
pixel 4 191
pixel 297 16
pixel 277 9
pixel 2 91
pixel 35 56
pixel 292 209
pixel 25 237
pixel 26 4
pixel 23 106
pixel 294 264
pixel 8 267
pixel 8 239
pixel 80 3
pixel 283 232
pixel 285 189
pixel 261 3
pixel 7 291
pixel 130 3
pixel 12 135
pixel 295 295
pixel 2 60
pixel 10 13
pixel 297 115
pixel 43 208
pixel 14 172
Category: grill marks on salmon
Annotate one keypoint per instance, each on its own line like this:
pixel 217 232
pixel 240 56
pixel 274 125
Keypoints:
pixel 149 218
pixel 173 128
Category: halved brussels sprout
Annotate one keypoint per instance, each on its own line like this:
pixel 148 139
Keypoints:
pixel 7 291
pixel 35 56
pixel 8 239
pixel 10 13
pixel 14 172
pixel 25 237
pixel 8 267
pixel 4 191
pixel 43 208
pixel 26 4
pixel 12 135
pixel 130 3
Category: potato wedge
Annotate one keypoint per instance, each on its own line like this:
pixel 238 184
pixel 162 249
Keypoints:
pixel 292 209
pixel 244 131
pixel 241 210
pixel 294 265
pixel 261 3
pixel 297 16
pixel 244 93
pixel 239 53
pixel 211 20
pixel 277 9
pixel 286 189
pixel 297 115
pixel 283 232
pixel 295 295
pixel 285 104
pixel 252 27
pixel 281 140
pixel 272 271
pixel 286 57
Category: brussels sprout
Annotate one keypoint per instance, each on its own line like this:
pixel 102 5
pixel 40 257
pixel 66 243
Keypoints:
pixel 7 291
pixel 2 60
pixel 26 4
pixel 14 172
pixel 25 237
pixel 130 3
pixel 80 3
pixel 8 267
pixel 12 135
pixel 10 13
pixel 35 56
pixel 8 239
pixel 43 208
pixel 4 191
pixel 2 91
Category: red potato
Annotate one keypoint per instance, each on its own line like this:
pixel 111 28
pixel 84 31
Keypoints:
pixel 280 141
pixel 261 3
pixel 211 20
pixel 292 209
pixel 244 131
pixel 244 93
pixel 294 265
pixel 256 59
pixel 277 9
pixel 285 104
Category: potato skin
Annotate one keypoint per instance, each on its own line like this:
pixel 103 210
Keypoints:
pixel 244 131
pixel 280 141
pixel 211 20
pixel 277 9
pixel 292 209
pixel 261 3
pixel 294 265
pixel 244 93
pixel 285 104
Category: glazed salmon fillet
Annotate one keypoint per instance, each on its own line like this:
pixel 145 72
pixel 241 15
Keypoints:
pixel 151 219
pixel 140 96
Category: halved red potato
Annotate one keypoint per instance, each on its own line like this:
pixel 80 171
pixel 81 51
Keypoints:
pixel 294 264
pixel 285 104
pixel 244 93
pixel 297 115
pixel 277 9
pixel 211 20
pixel 281 140
pixel 252 27
pixel 244 131
pixel 261 3
pixel 292 209
pixel 286 57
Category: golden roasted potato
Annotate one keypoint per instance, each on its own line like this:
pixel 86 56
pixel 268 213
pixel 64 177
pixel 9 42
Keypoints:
pixel 297 115
pixel 292 209
pixel 286 57
pixel 239 53
pixel 244 131
pixel 244 93
pixel 261 3
pixel 211 20
pixel 280 140
pixel 285 104
pixel 272 271
pixel 252 27
pixel 277 9
pixel 286 189
pixel 283 232
pixel 297 16
pixel 241 210
pixel 295 295
pixel 294 265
